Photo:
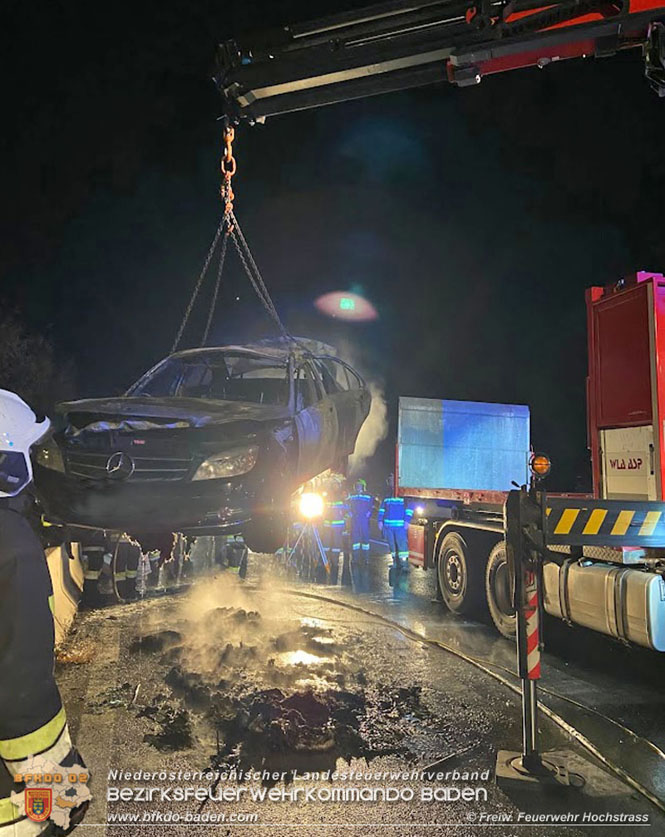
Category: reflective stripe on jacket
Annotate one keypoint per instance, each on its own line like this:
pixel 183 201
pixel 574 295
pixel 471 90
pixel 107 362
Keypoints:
pixel 394 513
pixel 336 514
pixel 360 505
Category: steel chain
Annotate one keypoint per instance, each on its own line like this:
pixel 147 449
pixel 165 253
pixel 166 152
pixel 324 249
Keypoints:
pixel 199 282
pixel 257 274
pixel 229 167
pixel 265 301
pixel 213 303
pixel 229 223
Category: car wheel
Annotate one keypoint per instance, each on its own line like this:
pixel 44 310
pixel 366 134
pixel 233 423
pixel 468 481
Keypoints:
pixel 267 530
pixel 499 593
pixel 460 580
pixel 265 533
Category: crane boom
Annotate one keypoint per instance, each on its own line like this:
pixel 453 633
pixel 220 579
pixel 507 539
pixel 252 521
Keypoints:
pixel 402 44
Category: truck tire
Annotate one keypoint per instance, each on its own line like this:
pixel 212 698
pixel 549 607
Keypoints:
pixel 498 592
pixel 459 576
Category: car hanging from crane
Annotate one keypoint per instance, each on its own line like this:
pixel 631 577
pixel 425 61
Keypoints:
pixel 210 440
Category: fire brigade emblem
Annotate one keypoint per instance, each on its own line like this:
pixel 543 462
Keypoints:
pixel 38 803
pixel 68 791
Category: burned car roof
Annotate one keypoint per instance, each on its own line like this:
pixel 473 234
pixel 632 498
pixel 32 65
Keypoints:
pixel 276 348
pixel 255 351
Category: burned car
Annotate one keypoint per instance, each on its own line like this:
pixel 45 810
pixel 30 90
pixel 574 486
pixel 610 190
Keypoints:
pixel 208 441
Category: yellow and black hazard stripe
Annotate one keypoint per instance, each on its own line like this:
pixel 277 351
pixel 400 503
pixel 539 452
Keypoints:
pixel 605 523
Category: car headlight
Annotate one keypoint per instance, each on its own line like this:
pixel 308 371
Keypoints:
pixel 49 456
pixel 231 463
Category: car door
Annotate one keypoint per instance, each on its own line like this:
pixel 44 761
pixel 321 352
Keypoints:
pixel 352 401
pixel 316 422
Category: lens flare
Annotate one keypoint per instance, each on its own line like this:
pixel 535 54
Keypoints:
pixel 346 305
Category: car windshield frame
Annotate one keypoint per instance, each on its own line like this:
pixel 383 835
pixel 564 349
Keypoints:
pixel 182 364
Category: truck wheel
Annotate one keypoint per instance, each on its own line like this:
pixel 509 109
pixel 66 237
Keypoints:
pixel 460 581
pixel 498 592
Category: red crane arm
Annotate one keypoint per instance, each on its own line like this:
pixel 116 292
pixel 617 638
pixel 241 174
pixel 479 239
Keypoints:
pixel 401 44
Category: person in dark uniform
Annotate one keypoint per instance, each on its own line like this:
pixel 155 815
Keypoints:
pixel 361 506
pixel 334 523
pixel 32 717
pixel 110 568
pixel 125 569
pixel 93 549
pixel 393 519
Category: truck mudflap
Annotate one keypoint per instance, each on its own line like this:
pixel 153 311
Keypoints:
pixel 419 541
pixel 619 601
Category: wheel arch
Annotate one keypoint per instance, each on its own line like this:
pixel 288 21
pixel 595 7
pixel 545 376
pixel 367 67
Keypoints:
pixel 461 585
pixel 481 538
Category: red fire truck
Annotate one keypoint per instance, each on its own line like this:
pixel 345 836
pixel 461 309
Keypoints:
pixel 457 460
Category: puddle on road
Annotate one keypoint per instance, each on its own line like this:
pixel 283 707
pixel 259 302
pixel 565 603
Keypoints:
pixel 294 658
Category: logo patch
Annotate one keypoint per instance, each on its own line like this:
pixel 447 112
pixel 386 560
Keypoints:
pixel 38 803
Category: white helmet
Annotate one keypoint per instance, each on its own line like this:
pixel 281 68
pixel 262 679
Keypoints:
pixel 19 430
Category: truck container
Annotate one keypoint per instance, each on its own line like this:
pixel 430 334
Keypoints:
pixel 456 461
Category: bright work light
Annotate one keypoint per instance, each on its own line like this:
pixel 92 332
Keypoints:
pixel 311 506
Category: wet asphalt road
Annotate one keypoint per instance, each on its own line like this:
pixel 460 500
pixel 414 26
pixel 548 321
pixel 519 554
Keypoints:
pixel 256 676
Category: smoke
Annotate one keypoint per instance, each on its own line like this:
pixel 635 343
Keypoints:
pixel 373 431
pixel 375 428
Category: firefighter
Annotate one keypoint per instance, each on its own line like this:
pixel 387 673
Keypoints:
pixel 360 509
pixel 93 551
pixel 393 519
pixel 126 565
pixel 32 717
pixel 334 523
pixel 110 568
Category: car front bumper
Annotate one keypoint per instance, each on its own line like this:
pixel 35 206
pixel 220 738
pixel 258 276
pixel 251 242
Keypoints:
pixel 201 507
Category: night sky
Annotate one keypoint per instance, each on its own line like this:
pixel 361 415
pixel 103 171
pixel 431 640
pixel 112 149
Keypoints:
pixel 473 219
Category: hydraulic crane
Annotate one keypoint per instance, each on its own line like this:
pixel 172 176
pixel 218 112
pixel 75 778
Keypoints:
pixel 403 44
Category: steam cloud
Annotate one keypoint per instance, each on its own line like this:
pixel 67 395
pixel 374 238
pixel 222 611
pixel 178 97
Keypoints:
pixel 375 428
pixel 373 431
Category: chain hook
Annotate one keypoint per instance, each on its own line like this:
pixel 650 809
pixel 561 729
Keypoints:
pixel 228 167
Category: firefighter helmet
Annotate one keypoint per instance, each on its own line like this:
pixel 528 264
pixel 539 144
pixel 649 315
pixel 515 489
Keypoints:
pixel 19 430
